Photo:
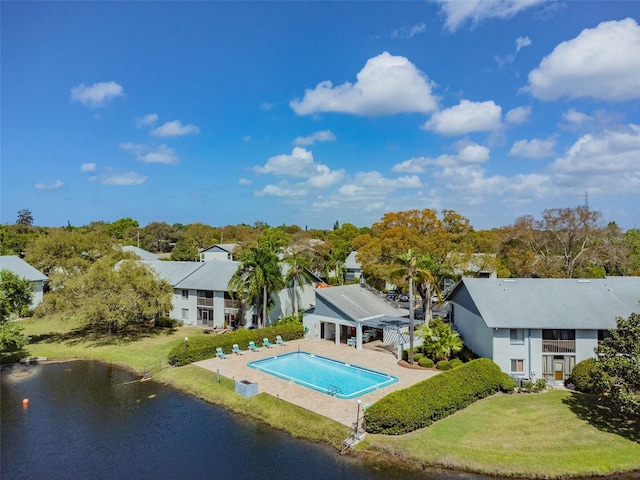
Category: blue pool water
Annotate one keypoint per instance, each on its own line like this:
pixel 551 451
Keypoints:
pixel 324 374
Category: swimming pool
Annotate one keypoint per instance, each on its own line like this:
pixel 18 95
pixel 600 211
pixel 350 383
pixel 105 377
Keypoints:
pixel 324 374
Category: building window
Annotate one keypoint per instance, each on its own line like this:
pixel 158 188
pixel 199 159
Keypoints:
pixel 185 314
pixel 185 294
pixel 517 336
pixel 517 365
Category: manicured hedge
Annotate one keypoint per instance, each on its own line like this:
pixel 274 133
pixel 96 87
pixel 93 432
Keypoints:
pixel 422 404
pixel 203 347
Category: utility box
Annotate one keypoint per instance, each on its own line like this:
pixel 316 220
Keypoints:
pixel 246 388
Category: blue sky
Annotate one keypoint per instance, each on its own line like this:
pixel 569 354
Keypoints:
pixel 310 112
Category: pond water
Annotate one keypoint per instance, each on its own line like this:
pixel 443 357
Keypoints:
pixel 87 420
pixel 90 420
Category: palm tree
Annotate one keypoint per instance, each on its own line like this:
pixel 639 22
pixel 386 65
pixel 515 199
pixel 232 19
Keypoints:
pixel 407 270
pixel 427 285
pixel 258 275
pixel 298 273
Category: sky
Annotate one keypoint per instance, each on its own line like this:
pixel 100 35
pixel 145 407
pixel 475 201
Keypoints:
pixel 309 113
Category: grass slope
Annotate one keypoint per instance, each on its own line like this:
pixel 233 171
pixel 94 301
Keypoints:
pixel 543 435
pixel 556 434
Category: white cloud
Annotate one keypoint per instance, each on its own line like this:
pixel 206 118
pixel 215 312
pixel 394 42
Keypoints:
pixel 409 32
pixel 151 154
pixel 244 182
pixel 575 118
pixel 518 115
pixel 387 85
pixel 457 12
pixel 534 148
pixel 600 63
pixel 300 164
pixel 604 162
pixel 122 179
pixel 146 121
pixel 88 167
pixel 373 183
pixel 465 118
pixel 468 153
pixel 276 191
pixel 522 42
pixel 49 186
pixel 96 95
pixel 321 136
pixel 174 129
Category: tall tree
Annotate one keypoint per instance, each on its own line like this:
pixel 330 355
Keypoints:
pixel 16 294
pixel 257 277
pixel 564 240
pixel 186 249
pixel 116 296
pixel 298 274
pixel 619 357
pixel 25 217
pixel 408 269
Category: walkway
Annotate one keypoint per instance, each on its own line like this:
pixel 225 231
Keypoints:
pixel 340 410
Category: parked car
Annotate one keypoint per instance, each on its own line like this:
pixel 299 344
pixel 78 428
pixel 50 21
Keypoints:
pixel 391 296
pixel 403 297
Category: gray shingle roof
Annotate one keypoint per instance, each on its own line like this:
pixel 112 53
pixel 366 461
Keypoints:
pixel 18 266
pixel 551 302
pixel 358 303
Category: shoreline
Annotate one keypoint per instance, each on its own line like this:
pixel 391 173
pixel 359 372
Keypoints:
pixel 370 455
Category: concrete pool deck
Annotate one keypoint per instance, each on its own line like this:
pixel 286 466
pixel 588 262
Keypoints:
pixel 343 411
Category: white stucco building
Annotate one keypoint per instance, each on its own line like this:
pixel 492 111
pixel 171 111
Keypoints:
pixel 540 327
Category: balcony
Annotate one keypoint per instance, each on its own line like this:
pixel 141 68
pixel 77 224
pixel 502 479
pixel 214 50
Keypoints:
pixel 205 302
pixel 558 346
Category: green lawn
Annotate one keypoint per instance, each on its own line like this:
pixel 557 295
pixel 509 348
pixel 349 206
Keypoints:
pixel 554 434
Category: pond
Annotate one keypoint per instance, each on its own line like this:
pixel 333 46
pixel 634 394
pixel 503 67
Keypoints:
pixel 91 420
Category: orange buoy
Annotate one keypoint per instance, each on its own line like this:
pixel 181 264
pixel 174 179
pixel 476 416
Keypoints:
pixel 25 401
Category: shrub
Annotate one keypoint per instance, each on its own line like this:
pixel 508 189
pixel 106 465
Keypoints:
pixel 508 383
pixel 425 362
pixel 165 322
pixel 534 387
pixel 417 357
pixel 443 365
pixel 587 376
pixel 422 404
pixel 456 362
pixel 203 347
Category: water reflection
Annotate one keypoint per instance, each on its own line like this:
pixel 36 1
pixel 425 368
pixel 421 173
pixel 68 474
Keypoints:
pixel 89 420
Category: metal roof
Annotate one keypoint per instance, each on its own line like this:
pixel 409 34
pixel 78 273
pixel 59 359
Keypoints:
pixel 174 272
pixel 143 254
pixel 351 263
pixel 18 266
pixel 358 303
pixel 211 276
pixel 550 302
